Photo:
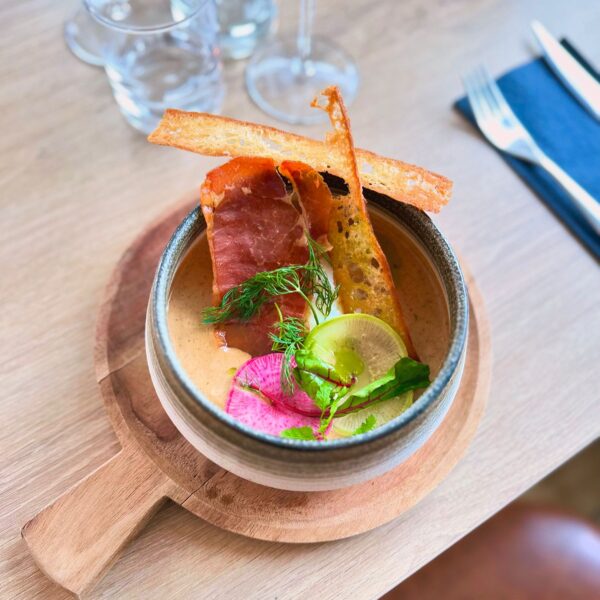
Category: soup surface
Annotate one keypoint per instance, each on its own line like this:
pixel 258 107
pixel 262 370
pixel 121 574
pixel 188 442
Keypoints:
pixel 211 368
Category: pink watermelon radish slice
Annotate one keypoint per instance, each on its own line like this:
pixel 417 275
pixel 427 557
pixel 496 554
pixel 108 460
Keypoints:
pixel 257 399
pixel 256 411
pixel 263 374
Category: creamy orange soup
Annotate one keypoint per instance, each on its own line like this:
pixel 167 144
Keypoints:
pixel 211 368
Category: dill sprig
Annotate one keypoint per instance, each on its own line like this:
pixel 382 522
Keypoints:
pixel 288 340
pixel 310 281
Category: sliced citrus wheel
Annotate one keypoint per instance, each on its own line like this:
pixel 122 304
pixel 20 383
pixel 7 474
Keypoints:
pixel 357 344
pixel 382 411
pixel 366 347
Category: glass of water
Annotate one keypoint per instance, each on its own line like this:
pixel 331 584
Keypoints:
pixel 160 55
pixel 243 24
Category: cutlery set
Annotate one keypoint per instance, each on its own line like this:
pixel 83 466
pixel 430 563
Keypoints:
pixel 504 130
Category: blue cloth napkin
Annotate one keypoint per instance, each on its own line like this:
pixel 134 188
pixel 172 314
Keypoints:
pixel 564 130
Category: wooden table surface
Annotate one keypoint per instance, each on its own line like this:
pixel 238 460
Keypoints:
pixel 77 183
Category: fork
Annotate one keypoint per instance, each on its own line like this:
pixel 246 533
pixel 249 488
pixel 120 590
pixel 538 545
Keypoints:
pixel 502 128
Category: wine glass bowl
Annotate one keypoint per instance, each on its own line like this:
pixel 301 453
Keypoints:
pixel 283 84
pixel 284 76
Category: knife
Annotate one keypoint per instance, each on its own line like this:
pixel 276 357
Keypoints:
pixel 577 80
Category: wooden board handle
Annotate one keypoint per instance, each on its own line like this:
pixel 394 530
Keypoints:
pixel 76 538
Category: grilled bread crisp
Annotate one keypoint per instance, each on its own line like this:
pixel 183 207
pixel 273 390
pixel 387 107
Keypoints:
pixel 212 135
pixel 359 266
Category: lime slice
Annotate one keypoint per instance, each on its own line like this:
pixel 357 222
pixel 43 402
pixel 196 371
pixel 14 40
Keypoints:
pixel 382 411
pixel 357 344
pixel 364 346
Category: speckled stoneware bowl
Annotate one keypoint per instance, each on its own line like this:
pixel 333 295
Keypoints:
pixel 297 464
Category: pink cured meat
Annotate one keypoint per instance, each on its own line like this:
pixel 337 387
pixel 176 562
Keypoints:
pixel 252 226
pixel 257 400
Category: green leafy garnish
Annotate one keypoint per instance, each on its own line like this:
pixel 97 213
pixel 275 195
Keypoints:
pixel 407 374
pixel 298 433
pixel 310 281
pixel 322 391
pixel 368 424
pixel 307 361
pixel 323 384
pixel 327 416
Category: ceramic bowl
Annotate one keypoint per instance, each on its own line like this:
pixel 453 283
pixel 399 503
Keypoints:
pixel 298 464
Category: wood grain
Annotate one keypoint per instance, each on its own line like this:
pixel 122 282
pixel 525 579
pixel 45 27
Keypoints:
pixel 75 539
pixel 76 184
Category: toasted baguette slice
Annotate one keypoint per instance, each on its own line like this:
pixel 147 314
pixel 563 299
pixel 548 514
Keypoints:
pixel 360 267
pixel 221 136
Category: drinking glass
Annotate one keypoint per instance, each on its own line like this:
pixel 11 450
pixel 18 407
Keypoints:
pixel 284 76
pixel 157 58
pixel 242 25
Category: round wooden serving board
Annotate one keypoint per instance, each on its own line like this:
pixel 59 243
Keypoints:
pixel 78 536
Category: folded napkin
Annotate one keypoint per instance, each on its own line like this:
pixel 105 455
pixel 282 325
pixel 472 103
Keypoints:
pixel 564 130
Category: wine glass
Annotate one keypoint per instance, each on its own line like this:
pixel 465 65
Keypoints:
pixel 285 75
pixel 85 37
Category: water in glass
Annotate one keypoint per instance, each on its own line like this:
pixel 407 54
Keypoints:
pixel 242 25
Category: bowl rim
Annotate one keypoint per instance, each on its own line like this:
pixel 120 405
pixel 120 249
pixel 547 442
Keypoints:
pixel 159 297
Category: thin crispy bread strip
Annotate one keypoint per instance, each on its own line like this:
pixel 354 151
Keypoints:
pixel 359 265
pixel 221 136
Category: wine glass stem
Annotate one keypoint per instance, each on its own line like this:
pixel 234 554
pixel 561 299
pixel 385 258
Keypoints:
pixel 305 25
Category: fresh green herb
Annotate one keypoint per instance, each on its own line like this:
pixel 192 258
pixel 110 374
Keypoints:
pixel 407 374
pixel 323 384
pixel 307 361
pixel 289 340
pixel 368 424
pixel 322 391
pixel 310 281
pixel 298 433
pixel 324 295
pixel 327 416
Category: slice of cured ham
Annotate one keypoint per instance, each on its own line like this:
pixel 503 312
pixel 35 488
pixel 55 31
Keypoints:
pixel 252 226
pixel 314 195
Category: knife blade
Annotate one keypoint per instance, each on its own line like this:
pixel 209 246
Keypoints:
pixel 576 79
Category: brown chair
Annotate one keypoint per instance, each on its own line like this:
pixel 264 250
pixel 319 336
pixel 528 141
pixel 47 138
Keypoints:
pixel 523 553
